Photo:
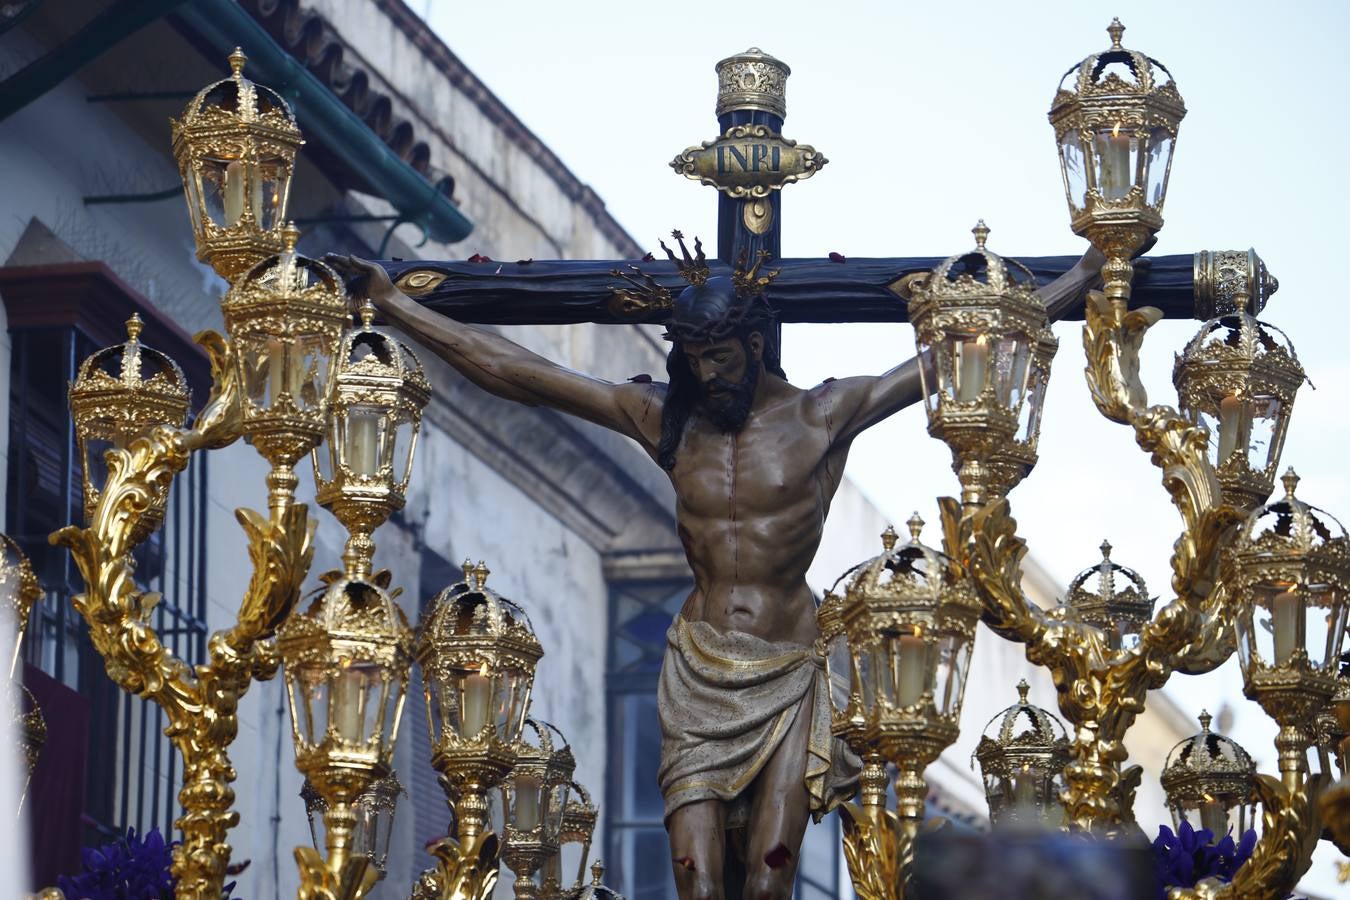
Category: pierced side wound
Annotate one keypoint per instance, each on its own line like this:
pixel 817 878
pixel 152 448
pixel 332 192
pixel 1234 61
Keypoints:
pixel 778 857
pixel 685 862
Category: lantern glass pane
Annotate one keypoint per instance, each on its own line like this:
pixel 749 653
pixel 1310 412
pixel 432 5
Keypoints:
pixel 1116 152
pixel 1029 417
pixel 867 676
pixel 1159 160
pixel 1211 423
pixel 557 805
pixel 1324 626
pixel 402 449
pixel 1075 174
pixel 1014 355
pixel 309 701
pixel 837 667
pixel 1262 446
pixel 322 455
pixel 210 180
pixel 967 367
pixel 953 664
pixel 312 355
pixel 928 377
pixel 431 695
pixel 192 189
pixel 511 704
pixel 273 181
pixel 1272 645
pixel 96 461
pixel 361 439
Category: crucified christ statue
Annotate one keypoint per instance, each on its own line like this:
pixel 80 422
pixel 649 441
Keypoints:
pixel 755 462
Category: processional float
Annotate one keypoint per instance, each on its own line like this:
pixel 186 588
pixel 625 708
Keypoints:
pixel 295 376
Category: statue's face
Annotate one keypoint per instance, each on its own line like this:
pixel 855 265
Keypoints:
pixel 727 373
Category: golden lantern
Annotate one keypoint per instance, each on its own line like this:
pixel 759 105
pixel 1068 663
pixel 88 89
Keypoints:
pixel 235 145
pixel 910 616
pixel 1115 117
pixel 19 590
pixel 984 347
pixel 1022 755
pixel 285 318
pixel 374 414
pixel 1291 577
pixel 346 662
pixel 1209 781
pixel 1238 378
pixel 534 800
pixel 119 394
pixel 578 827
pixel 1121 611
pixel 374 809
pixel 478 654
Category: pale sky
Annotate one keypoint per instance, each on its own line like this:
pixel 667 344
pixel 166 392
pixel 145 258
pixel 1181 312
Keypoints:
pixel 933 115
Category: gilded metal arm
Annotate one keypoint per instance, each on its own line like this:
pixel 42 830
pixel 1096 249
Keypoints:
pixel 200 706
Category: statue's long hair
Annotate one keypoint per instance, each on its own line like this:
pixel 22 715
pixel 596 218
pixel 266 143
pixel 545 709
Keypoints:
pixel 683 391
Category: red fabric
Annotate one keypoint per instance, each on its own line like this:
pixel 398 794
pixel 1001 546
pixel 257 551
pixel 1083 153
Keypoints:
pixel 55 800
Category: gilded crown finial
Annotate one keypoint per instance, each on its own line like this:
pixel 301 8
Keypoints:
pixel 1117 31
pixel 1022 689
pixel 1205 719
pixel 888 538
pixel 915 524
pixel 1291 480
pixel 1106 550
pixel 366 312
pixel 134 327
pixel 237 60
pixel 467 568
pixel 597 872
pixel 981 232
pixel 480 574
pixel 290 236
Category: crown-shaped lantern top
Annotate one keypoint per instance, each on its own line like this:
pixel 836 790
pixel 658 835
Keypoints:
pixel 235 100
pixel 1238 348
pixel 1024 725
pixel 1290 528
pixel 908 575
pixel 1205 767
pixel 351 612
pixel 124 390
pixel 977 276
pixel 1111 597
pixel 1118 72
pixel 597 889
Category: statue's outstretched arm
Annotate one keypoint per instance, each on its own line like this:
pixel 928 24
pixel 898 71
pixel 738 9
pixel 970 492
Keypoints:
pixel 506 369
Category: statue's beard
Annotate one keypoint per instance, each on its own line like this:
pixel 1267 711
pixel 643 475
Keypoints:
pixel 729 407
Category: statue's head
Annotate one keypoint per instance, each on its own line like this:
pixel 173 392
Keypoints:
pixel 724 336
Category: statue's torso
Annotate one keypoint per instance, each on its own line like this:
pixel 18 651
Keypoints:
pixel 751 507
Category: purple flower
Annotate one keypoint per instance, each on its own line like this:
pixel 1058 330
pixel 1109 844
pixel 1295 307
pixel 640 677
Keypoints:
pixel 131 868
pixel 1184 858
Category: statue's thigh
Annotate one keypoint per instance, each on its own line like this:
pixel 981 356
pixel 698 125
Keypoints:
pixel 781 805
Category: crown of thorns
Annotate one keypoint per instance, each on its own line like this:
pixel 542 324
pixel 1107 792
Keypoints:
pixel 641 293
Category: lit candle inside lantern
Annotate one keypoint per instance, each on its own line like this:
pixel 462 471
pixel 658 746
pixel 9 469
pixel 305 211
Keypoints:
pixel 477 696
pixel 239 177
pixel 1117 176
pixel 348 705
pixel 1235 426
pixel 1214 817
pixel 1024 789
pixel 1285 610
pixel 974 361
pixel 278 361
pixel 912 662
pixel 362 436
pixel 527 803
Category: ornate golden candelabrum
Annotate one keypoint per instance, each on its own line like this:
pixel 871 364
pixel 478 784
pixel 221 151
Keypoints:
pixel 478 654
pixel 908 618
pixel 534 800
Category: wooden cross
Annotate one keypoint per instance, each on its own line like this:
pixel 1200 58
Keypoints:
pixel 749 163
